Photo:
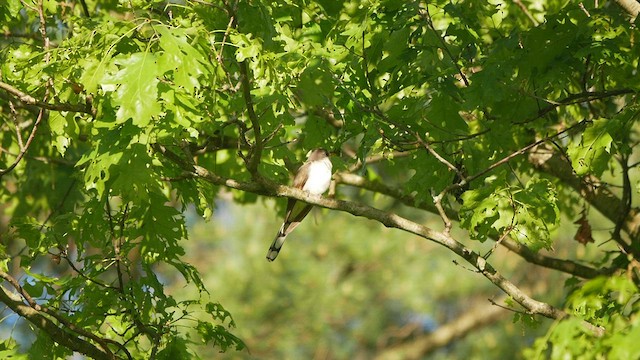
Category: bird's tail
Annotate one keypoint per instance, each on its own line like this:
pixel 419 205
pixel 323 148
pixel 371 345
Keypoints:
pixel 276 245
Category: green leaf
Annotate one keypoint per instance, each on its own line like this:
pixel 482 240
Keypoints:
pixel 430 177
pixel 248 48
pixel 9 349
pixel 64 129
pixel 317 133
pixel 137 88
pixel 528 214
pixel 537 214
pixel 316 86
pixel 444 113
pixel 625 345
pixel 10 9
pixel 592 153
pixel 481 209
pixel 97 172
pixel 133 176
pixel 30 229
pixel 176 348
pixel 183 61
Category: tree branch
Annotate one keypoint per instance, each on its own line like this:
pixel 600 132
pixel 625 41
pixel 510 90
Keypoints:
pixel 43 322
pixel 390 220
pixel 256 149
pixel 30 100
pixel 586 96
pixel 526 11
pixel 566 266
pixel 23 150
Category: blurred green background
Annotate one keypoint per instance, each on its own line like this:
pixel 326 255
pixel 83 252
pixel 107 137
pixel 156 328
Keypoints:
pixel 348 288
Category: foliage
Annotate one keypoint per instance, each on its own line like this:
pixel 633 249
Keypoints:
pixel 117 117
pixel 610 302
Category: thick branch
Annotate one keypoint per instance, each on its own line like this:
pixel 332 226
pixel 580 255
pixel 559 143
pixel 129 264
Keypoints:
pixel 44 310
pixel 563 265
pixel 378 187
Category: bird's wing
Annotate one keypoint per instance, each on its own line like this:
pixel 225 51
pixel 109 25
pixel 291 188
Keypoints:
pixel 298 182
pixel 301 176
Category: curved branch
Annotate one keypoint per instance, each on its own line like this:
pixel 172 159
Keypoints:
pixel 44 310
pixel 586 96
pixel 566 266
pixel 349 179
pixel 389 220
pixel 378 187
pixel 37 318
pixel 23 149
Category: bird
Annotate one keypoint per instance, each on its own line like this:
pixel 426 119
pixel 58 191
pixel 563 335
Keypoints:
pixel 314 176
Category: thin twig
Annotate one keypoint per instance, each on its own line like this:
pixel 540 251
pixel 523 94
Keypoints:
pixel 85 9
pixel 23 151
pixel 30 100
pixel 508 308
pixel 506 231
pixel 60 205
pixel 435 154
pixel 521 151
pixel 424 13
pixel 626 203
pixel 585 96
pixel 65 256
pixel 14 117
pixel 437 200
pixel 256 150
pixel 526 12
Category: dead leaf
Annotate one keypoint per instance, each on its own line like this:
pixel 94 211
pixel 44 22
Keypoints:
pixel 583 235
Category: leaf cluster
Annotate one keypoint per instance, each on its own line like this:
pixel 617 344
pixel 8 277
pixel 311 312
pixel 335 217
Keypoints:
pixel 117 117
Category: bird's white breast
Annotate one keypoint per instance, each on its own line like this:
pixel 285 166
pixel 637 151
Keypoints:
pixel 319 177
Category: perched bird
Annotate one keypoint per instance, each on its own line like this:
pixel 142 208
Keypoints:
pixel 314 176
